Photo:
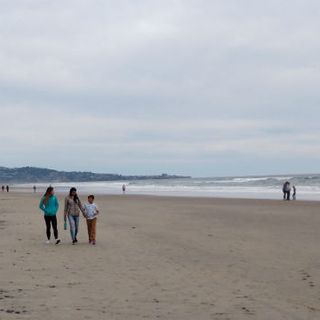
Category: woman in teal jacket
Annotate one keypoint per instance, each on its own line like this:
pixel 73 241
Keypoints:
pixel 49 205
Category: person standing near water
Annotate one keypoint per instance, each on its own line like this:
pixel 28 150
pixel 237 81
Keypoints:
pixel 123 188
pixel 49 205
pixel 286 189
pixel 72 207
pixel 294 195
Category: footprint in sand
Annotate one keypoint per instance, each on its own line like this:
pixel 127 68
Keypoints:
pixel 247 311
pixel 220 316
pixel 307 277
pixel 14 311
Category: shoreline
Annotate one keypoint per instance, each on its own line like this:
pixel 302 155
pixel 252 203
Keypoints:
pixel 243 196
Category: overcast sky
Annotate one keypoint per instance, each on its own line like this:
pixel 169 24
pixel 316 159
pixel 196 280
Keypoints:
pixel 199 87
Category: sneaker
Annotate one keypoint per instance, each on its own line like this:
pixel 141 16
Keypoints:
pixel 90 241
pixel 48 242
pixel 74 242
pixel 58 241
pixel 94 242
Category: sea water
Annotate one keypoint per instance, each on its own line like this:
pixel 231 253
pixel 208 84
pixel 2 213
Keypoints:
pixel 257 187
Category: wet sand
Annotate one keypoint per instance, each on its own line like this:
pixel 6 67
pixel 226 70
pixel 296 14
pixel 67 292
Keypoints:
pixel 163 258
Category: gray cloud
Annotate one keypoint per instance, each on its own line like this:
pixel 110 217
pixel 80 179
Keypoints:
pixel 199 87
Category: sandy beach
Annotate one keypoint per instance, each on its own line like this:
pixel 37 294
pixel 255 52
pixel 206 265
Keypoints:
pixel 163 258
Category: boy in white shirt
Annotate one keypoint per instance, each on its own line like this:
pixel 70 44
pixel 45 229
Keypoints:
pixel 91 211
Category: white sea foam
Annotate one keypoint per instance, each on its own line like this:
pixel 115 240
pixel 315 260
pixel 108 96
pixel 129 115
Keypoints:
pixel 308 187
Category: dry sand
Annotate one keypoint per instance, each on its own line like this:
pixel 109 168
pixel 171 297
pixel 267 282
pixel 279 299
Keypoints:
pixel 164 258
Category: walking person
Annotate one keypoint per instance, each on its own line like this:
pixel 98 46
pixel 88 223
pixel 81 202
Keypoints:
pixel 49 205
pixel 72 207
pixel 7 188
pixel 91 211
pixel 124 189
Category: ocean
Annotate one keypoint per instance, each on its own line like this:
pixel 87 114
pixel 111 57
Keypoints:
pixel 256 187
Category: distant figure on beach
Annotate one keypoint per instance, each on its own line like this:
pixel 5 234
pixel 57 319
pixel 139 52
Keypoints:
pixel 8 189
pixel 2 188
pixel 294 195
pixel 72 206
pixel 123 188
pixel 34 189
pixel 286 189
pixel 91 211
pixel 49 205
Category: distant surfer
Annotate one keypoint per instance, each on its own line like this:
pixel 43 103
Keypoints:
pixel 123 188
pixel 7 188
pixel 286 189
pixel 34 189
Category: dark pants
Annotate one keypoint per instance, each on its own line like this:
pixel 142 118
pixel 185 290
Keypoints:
pixel 51 220
pixel 286 195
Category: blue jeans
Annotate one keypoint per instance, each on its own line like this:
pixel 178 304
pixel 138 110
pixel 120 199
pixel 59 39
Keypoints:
pixel 74 226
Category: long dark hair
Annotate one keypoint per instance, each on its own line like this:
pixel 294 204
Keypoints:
pixel 75 197
pixel 47 195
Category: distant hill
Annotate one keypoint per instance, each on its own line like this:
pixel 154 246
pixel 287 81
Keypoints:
pixel 32 175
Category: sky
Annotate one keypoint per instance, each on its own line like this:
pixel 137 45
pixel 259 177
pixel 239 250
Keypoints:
pixel 194 87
